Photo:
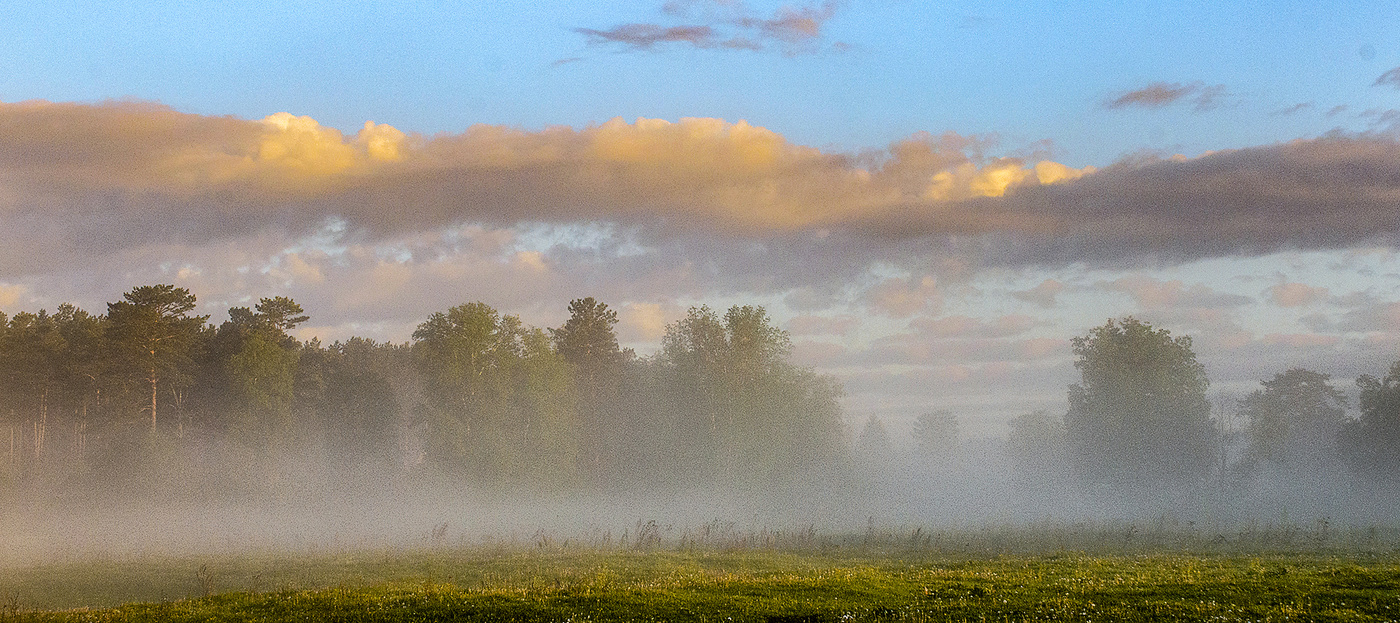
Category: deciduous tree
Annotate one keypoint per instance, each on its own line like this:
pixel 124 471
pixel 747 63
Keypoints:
pixel 1294 420
pixel 1139 416
pixel 1372 442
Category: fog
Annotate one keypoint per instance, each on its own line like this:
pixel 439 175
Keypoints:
pixel 487 432
pixel 206 506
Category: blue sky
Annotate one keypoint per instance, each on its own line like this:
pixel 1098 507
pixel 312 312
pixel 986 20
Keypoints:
pixel 933 197
pixel 1027 71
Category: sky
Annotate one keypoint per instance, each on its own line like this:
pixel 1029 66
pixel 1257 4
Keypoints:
pixel 932 198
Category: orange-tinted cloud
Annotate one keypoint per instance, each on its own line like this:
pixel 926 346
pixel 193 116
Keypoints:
pixel 86 180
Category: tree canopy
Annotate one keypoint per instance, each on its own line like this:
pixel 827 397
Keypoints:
pixel 1294 419
pixel 1139 416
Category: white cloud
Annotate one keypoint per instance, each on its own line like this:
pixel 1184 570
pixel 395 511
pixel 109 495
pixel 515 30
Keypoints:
pixel 1296 294
pixel 900 297
pixel 1042 294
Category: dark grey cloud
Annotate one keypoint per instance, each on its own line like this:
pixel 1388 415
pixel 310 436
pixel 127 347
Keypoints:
pixel 1309 194
pixel 1381 118
pixel 1161 94
pixel 724 24
pixel 647 36
pixel 1042 294
pixel 1390 78
pixel 1294 109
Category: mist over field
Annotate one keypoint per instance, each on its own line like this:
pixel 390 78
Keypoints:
pixel 737 271
pixel 149 431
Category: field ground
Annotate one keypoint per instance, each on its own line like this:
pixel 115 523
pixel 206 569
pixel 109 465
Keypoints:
pixel 1107 574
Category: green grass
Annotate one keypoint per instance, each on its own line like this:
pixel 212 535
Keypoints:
pixel 828 581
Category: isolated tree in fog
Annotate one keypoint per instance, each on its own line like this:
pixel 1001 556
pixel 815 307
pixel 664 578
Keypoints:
pixel 1372 442
pixel 153 334
pixel 874 444
pixel 936 433
pixel 1139 415
pixel 1294 420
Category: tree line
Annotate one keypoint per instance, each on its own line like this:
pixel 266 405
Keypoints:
pixel 477 397
pixel 1140 421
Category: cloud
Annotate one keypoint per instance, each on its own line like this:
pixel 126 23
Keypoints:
pixel 822 325
pixel 950 327
pixel 1380 316
pixel 921 348
pixel 1381 118
pixel 645 322
pixel 1300 340
pixel 725 25
pixel 10 294
pixel 1161 94
pixel 900 298
pixel 1043 294
pixel 1294 109
pixel 1390 78
pixel 1296 294
pixel 647 36
pixel 722 200
pixel 1154 294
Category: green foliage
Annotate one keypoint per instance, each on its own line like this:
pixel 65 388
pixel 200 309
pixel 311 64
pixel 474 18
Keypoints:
pixel 588 342
pixel 1294 420
pixel 1139 417
pixel 499 404
pixel 261 373
pixel 479 397
pixel 744 413
pixel 280 313
pixel 587 338
pixel 1373 442
pixel 153 339
pixel 355 400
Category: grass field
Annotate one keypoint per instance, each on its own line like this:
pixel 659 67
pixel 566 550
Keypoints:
pixel 1100 573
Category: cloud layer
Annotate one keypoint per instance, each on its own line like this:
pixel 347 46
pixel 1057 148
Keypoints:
pixel 723 24
pixel 1160 94
pixel 82 181
pixel 927 274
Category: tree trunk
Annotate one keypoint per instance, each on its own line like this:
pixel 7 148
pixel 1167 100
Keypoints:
pixel 43 423
pixel 153 396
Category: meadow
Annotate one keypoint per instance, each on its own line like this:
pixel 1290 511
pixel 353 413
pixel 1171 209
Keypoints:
pixel 718 572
